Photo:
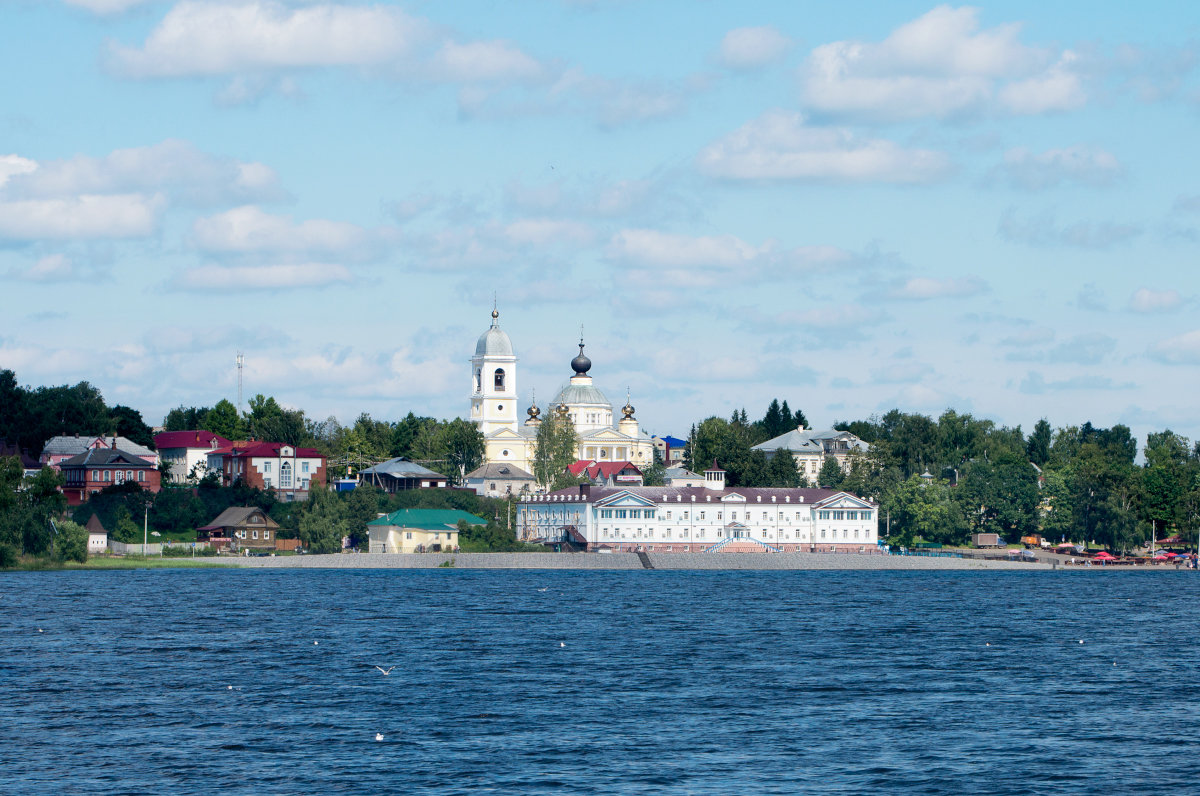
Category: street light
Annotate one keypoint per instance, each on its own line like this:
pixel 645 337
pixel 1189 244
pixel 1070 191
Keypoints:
pixel 146 528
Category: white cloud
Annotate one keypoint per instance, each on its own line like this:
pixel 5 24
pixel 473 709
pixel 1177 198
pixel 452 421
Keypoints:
pixel 51 268
pixel 544 232
pixel 249 229
pixel 486 62
pixel 1057 89
pixel 1183 349
pixel 262 277
pixel 1147 300
pixel 652 247
pixel 11 165
pixel 921 288
pixel 214 38
pixel 751 48
pixel 780 146
pixel 1044 230
pixel 176 168
pixel 86 216
pixel 1078 164
pixel 940 64
pixel 105 7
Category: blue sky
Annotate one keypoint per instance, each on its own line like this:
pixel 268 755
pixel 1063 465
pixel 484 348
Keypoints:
pixel 852 206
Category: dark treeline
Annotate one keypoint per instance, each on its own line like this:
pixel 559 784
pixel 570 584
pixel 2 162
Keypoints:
pixel 1078 483
pixel 30 416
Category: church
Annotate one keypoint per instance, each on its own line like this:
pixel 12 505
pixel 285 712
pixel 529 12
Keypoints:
pixel 494 407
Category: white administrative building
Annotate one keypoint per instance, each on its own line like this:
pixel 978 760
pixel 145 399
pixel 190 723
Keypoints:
pixel 494 404
pixel 709 518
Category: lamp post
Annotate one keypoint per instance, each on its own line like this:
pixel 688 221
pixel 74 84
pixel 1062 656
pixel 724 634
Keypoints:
pixel 145 528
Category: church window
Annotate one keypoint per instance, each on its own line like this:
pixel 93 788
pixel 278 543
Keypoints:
pixel 499 379
pixel 603 453
pixel 478 380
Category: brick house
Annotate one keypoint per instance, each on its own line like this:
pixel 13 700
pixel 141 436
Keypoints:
pixel 58 449
pixel 97 468
pixel 276 467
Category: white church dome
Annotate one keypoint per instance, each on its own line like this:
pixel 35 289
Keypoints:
pixel 494 342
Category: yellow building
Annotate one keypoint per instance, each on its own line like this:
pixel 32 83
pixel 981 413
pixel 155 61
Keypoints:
pixel 418 530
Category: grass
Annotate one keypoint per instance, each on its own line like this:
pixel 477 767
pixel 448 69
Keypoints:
pixel 143 562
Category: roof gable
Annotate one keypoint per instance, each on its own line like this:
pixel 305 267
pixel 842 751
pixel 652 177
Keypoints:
pixel 843 500
pixel 624 498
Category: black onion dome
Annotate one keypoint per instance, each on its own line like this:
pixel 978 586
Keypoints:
pixel 581 364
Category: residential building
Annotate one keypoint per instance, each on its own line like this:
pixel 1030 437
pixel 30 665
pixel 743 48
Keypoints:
pixel 275 467
pixel 240 528
pixel 499 480
pixel 607 473
pixel 59 449
pixel 670 449
pixel 418 530
pixel 186 452
pixel 681 476
pixel 396 475
pixel 96 468
pixel 580 402
pixel 29 463
pixel 811 448
pixel 710 518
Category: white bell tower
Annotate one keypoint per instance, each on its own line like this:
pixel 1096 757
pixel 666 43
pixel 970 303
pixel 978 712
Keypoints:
pixel 494 381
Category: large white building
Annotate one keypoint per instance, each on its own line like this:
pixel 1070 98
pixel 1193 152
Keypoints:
pixel 700 519
pixel 810 448
pixel 494 401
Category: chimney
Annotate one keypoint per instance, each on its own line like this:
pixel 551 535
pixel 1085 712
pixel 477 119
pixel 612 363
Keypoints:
pixel 585 491
pixel 114 443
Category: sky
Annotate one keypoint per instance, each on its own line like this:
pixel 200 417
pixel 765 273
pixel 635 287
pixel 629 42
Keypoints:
pixel 854 207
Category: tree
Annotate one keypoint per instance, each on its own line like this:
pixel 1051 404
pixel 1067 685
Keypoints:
pixel 554 450
pixel 926 510
pixel 1164 478
pixel 1038 447
pixel 223 421
pixel 125 530
pixel 128 423
pixel 655 474
pixel 782 471
pixel 463 444
pixel 71 542
pixel 324 522
pixel 831 474
pixel 185 418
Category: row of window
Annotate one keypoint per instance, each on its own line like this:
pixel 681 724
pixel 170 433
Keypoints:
pixel 827 514
pixel 608 514
pixel 118 476
pixel 626 533
pixel 632 514
pixel 266 534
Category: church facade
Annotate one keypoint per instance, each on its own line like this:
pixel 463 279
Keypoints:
pixel 494 405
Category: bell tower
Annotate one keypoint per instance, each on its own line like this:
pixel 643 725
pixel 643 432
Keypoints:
pixel 494 380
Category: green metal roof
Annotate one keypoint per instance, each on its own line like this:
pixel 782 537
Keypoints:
pixel 428 519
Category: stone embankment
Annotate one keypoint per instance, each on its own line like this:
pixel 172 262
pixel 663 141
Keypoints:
pixel 811 561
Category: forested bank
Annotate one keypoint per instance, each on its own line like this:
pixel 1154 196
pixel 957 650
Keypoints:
pixel 1077 482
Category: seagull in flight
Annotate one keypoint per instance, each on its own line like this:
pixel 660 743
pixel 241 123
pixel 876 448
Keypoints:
pixel 386 671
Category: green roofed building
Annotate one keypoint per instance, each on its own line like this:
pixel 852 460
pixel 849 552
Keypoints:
pixel 418 530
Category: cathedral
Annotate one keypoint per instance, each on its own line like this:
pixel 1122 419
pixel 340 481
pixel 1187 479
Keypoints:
pixel 494 410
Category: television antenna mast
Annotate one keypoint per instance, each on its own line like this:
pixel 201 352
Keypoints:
pixel 240 361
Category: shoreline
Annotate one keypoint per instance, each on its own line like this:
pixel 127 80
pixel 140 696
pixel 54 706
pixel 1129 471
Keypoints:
pixel 657 561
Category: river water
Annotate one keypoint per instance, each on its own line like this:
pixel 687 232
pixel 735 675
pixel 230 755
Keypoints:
pixel 264 682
